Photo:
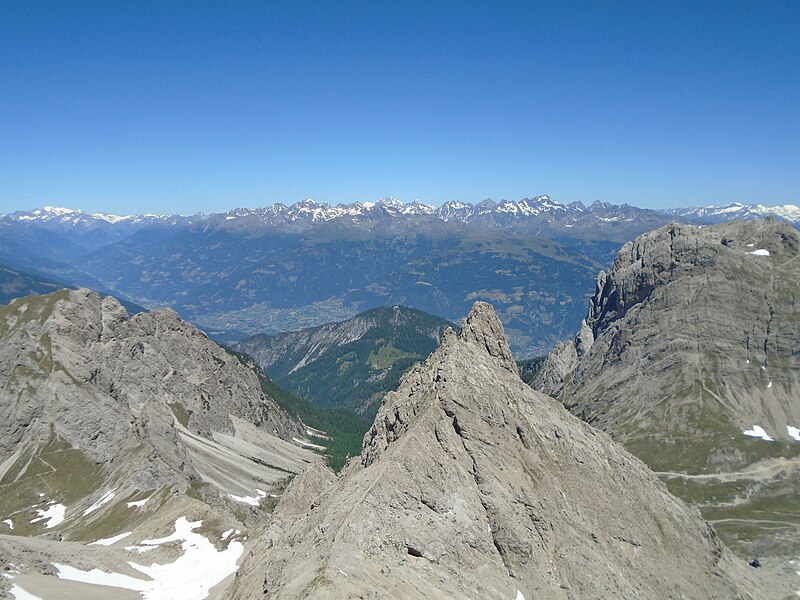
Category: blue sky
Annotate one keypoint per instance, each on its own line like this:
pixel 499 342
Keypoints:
pixel 201 106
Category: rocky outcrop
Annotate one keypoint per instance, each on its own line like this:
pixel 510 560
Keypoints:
pixel 78 345
pixel 719 301
pixel 472 485
pixel 483 329
pixel 92 401
pixel 694 338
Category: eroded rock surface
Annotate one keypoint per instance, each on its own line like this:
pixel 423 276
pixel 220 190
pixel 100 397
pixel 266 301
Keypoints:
pixel 691 339
pixel 472 485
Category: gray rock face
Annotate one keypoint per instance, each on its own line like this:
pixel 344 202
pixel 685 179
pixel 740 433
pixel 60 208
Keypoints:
pixel 695 338
pixel 93 353
pixel 472 485
pixel 689 298
pixel 136 403
pixel 114 428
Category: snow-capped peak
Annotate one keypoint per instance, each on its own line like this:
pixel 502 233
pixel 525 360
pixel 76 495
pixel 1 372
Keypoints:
pixel 736 210
pixel 417 208
pixel 58 210
pixel 507 213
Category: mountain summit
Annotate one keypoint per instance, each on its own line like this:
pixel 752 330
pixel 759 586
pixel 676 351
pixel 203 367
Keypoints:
pixel 472 485
pixel 690 356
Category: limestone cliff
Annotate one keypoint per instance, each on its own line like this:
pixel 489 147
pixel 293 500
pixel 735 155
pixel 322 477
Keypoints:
pixel 472 485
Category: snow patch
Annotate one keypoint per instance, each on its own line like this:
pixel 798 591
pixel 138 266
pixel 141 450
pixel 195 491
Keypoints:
pixel 104 499
pixel 794 432
pixel 138 503
pixel 54 514
pixel 519 596
pixel 19 594
pixel 10 523
pixel 760 252
pixel 305 444
pixel 190 577
pixel 251 500
pixel 227 534
pixel 769 385
pixel 758 431
pixel 98 577
pixel 111 540
pixel 140 549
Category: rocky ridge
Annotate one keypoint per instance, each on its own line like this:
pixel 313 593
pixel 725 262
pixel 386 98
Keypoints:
pixel 116 427
pixel 124 363
pixel 472 485
pixel 691 341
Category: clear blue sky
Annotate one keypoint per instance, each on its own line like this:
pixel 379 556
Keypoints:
pixel 205 106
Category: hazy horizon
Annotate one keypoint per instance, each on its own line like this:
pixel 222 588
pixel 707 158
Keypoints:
pixel 322 202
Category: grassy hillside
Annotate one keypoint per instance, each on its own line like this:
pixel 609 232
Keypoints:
pixel 351 364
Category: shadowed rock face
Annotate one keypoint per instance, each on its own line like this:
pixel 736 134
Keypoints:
pixel 472 485
pixel 693 337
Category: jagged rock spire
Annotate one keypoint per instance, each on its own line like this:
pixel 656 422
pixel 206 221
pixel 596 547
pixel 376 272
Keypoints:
pixel 483 328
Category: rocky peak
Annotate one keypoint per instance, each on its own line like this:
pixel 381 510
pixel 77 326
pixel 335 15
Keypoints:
pixel 472 485
pixel 691 339
pixel 102 414
pixel 481 346
pixel 137 364
pixel 482 328
pixel 653 260
pixel 113 315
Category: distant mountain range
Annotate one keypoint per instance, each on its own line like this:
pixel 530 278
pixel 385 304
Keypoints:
pixel 528 212
pixel 730 212
pixel 487 211
pixel 282 268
